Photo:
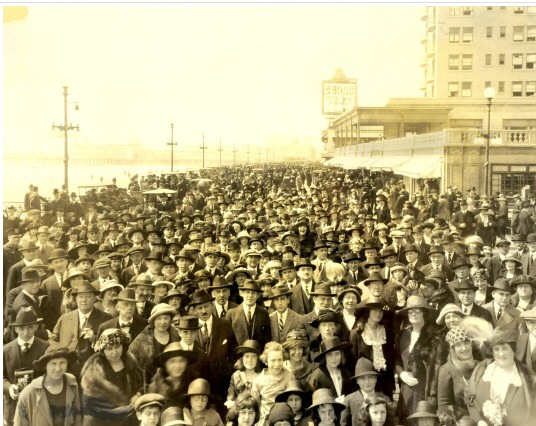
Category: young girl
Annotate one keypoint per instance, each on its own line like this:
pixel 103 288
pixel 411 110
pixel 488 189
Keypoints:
pixel 196 400
pixel 272 380
pixel 245 412
pixel 298 400
pixel 248 368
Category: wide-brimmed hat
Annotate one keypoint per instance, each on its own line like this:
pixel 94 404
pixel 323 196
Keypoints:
pixel 173 416
pixel 374 261
pixel 176 293
pixel 25 316
pixel 231 275
pixel 325 315
pixel 107 285
pixel 465 284
pixel 502 284
pixel 199 297
pixel 423 409
pixel 375 276
pixel 197 387
pixel 330 345
pixel 57 254
pixel 372 303
pixel 161 309
pixel 512 259
pixel 55 350
pixel 414 302
pixel 219 282
pixel 523 279
pixel 449 308
pixel 296 338
pixel 29 275
pixel 172 350
pixel 134 230
pixel 278 291
pixel 294 387
pixel 364 367
pixel 251 285
pixel 324 396
pixel 460 262
pixel 248 346
pixel 322 289
pixel 126 295
pixel 85 287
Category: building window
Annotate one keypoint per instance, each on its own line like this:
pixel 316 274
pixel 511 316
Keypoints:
pixel 466 89
pixel 531 33
pixel 489 8
pixel 455 11
pixel 454 34
pixel 517 61
pixel 531 61
pixel 531 9
pixel 454 62
pixel 519 10
pixel 467 36
pixel 488 58
pixel 487 84
pixel 502 32
pixel 453 90
pixel 467 10
pixel 467 62
pixel 518 33
pixel 501 86
pixel 530 88
pixel 489 32
pixel 502 59
pixel 517 88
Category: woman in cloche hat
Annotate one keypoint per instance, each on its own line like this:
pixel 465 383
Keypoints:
pixel 110 379
pixel 325 410
pixel 39 399
pixel 416 356
pixel 196 400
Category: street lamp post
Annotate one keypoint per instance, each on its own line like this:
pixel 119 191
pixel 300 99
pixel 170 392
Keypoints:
pixel 65 129
pixel 489 94
pixel 172 144
pixel 203 147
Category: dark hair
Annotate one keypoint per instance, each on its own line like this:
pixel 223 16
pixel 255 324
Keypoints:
pixel 239 364
pixel 373 399
pixel 243 400
pixel 316 418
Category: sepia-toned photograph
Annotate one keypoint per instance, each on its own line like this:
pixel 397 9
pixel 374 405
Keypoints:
pixel 269 214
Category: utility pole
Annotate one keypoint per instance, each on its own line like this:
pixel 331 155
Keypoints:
pixel 203 147
pixel 65 129
pixel 220 151
pixel 234 153
pixel 172 144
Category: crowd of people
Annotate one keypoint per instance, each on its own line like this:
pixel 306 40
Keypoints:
pixel 289 294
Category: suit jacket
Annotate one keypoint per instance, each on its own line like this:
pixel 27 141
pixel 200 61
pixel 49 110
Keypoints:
pixel 480 312
pixel 525 263
pixel 426 269
pixel 523 353
pixel 128 273
pixel 460 218
pixel 495 267
pixel 44 254
pixel 299 302
pixel 23 299
pixel 14 275
pixel 292 322
pixel 259 330
pixel 55 300
pixel 509 319
pixel 138 324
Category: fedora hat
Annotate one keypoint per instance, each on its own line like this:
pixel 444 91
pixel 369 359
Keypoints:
pixel 134 250
pixel 374 261
pixel 287 264
pixel 28 246
pixel 240 270
pixel 161 309
pixel 414 302
pixel 126 295
pixel 83 258
pixel 43 230
pixel 474 251
pixel 436 249
pixel 219 282
pixel 141 279
pixel 502 284
pixel 36 264
pixel 155 255
pixel 168 284
pixel 465 284
pixel 320 244
pixel 322 289
pixel 304 262
pixel 173 416
pixel 350 256
pixel 278 291
pixel 248 346
pixel 188 322
pixel 134 230
pixel 250 285
pixel 55 350
pixel 324 315
pixel 296 338
pixel 171 351
pixel 364 367
pixel 330 345
pixel 410 247
pixel 461 261
pixel 197 387
pixel 199 297
pixel 25 316
pixel 57 254
pixel 294 387
pixel 76 272
pixel 176 293
pixel 30 275
pixel 85 287
pixel 375 276
pixel 424 409
pixel 104 248
pixel 324 396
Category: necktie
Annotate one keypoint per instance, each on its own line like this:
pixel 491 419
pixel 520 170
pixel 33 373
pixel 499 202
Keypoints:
pixel 281 325
pixel 465 310
pixel 83 324
pixel 135 268
pixel 25 347
pixel 321 266
pixel 223 312
pixel 126 325
pixel 205 337
pixel 140 308
pixel 499 313
pixel 248 315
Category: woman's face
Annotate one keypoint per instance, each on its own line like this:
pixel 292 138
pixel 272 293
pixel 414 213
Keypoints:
pixel 296 353
pixel 367 383
pixel 250 359
pixel 503 355
pixel 327 414
pixel 176 366
pixel 378 414
pixel 110 293
pixel 416 316
pixel 162 322
pixel 349 301
pixel 240 278
pixel 524 290
pixel 481 283
pixel 452 320
pixel 333 359
pixel 295 403
pixel 113 353
pixel 463 350
pixel 168 270
pixel 375 315
pixel 274 360
pixel 327 329
pixel 56 368
pixel 398 275
pixel 246 417
pixel 198 402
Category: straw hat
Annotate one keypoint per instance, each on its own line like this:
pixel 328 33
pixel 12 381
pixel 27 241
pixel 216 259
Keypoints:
pixel 424 409
pixel 197 387
pixel 414 302
pixel 161 309
pixel 324 396
pixel 449 308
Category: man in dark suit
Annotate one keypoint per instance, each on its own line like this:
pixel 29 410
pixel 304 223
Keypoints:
pixel 212 257
pixel 136 267
pixel 28 251
pixel 524 223
pixel 218 341
pixel 437 262
pixel 450 254
pixel 503 315
pixel 526 343
pixel 300 299
pixel 495 264
pixel 128 320
pixel 220 290
pixel 462 270
pixel 20 354
pixel 143 288
pixel 411 253
pixel 77 330
pixel 249 320
pixel 283 319
pixel 466 291
pixel 54 286
pixel 30 295
pixel 322 300
pixel 528 260
pixel 464 220
pixel 398 246
pixel 422 247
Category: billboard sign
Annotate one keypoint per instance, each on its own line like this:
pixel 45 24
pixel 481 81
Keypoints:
pixel 338 96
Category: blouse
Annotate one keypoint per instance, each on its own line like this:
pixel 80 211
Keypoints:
pixel 266 387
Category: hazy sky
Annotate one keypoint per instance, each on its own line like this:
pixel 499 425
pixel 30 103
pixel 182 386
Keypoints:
pixel 245 74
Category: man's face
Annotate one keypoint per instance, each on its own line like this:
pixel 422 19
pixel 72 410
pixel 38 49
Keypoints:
pixel 143 292
pixel 149 416
pixel 154 266
pixel 103 272
pixel 203 311
pixel 532 246
pixel 321 302
pixel 531 325
pixel 436 258
pixel 448 247
pixel 125 309
pixel 221 295
pixel 29 254
pixel 288 274
pixel 85 301
pixel 211 260
pixel 389 260
pixel 252 261
pixel 26 332
pixel 467 297
pixel 462 271
pixel 250 297
pixel 411 256
pixel 59 265
pixel 504 249
pixel 305 273
pixel 137 238
pixel 281 303
pixel 376 288
pixel 520 245
pixel 188 336
pixel 502 298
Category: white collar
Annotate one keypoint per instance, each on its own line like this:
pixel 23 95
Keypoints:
pixel 208 322
pixel 81 316
pixel 34 298
pixel 22 342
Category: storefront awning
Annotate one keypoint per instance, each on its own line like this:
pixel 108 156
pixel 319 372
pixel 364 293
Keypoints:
pixel 422 166
pixel 387 163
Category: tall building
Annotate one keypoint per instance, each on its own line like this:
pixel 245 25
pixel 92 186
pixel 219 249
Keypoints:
pixel 468 48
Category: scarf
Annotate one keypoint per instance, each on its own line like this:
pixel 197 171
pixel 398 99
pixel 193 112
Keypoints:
pixel 376 340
